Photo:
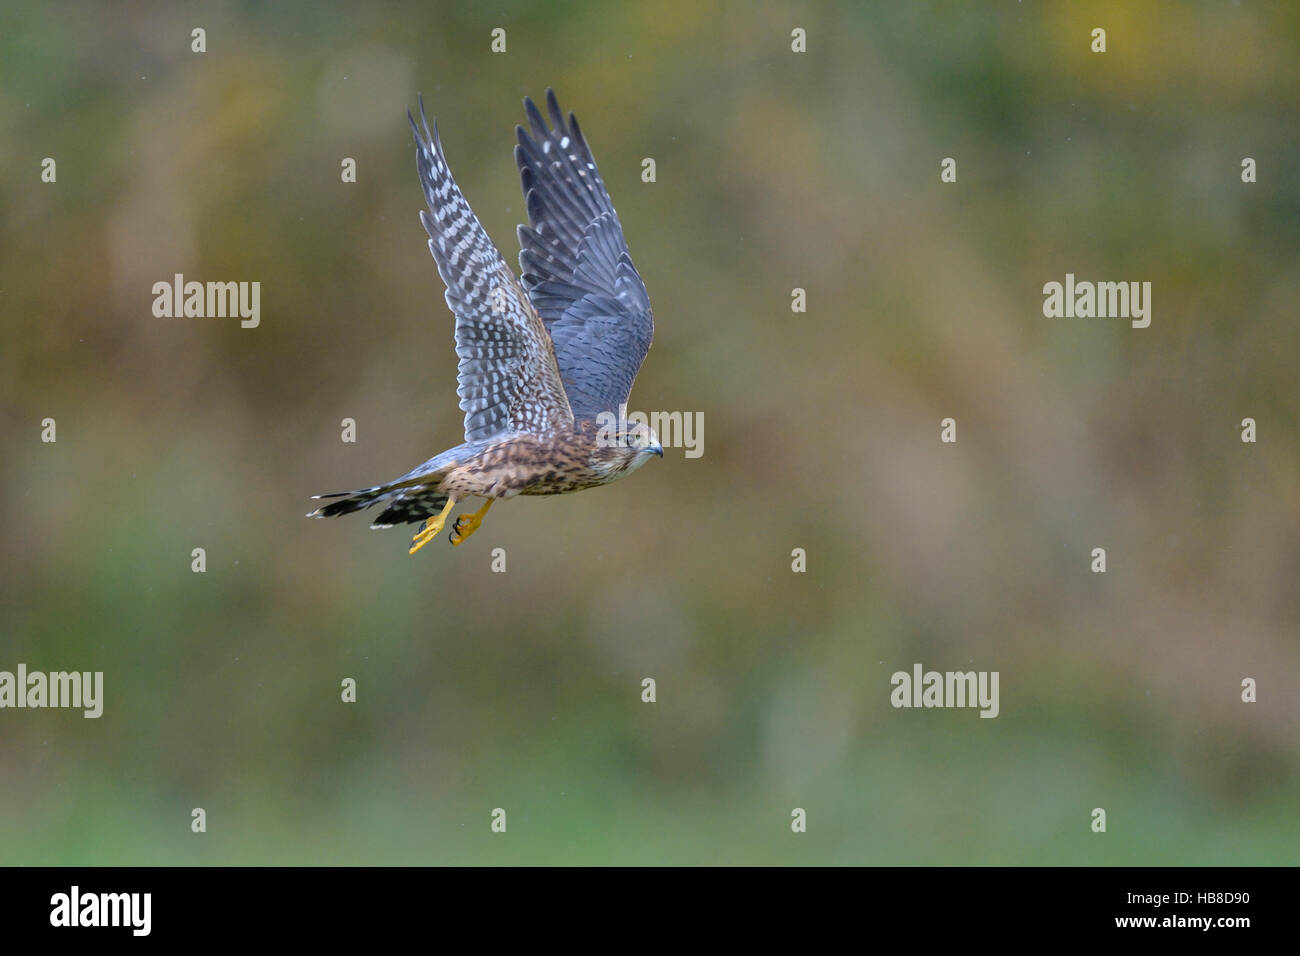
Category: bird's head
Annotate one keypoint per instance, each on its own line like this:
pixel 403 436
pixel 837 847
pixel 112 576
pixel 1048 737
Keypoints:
pixel 627 449
pixel 641 441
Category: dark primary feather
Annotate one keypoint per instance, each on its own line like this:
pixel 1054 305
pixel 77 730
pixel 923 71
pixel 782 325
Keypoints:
pixel 576 265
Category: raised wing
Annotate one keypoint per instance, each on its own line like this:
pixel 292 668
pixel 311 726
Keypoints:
pixel 576 266
pixel 507 377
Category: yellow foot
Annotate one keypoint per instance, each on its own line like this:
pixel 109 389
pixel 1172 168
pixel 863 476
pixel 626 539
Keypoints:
pixel 466 525
pixel 432 526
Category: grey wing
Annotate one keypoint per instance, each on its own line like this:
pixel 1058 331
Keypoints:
pixel 507 378
pixel 576 266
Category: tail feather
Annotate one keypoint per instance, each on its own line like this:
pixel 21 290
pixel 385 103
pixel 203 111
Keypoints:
pixel 409 503
pixel 411 506
pixel 411 498
pixel 349 501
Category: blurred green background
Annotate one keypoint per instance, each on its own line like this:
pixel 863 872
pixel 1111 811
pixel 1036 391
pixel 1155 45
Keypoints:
pixel 522 690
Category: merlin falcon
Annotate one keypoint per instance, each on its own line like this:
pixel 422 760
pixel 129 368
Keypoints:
pixel 547 359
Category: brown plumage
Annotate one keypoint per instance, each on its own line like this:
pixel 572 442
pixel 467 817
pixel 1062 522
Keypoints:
pixel 547 361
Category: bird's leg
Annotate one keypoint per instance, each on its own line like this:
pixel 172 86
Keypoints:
pixel 432 526
pixel 466 525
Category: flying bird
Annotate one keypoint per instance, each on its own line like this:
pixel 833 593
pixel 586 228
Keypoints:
pixel 547 359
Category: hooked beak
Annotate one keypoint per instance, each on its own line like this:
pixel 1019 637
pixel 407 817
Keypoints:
pixel 657 449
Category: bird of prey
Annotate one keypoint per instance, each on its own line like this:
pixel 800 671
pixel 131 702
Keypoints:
pixel 547 360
